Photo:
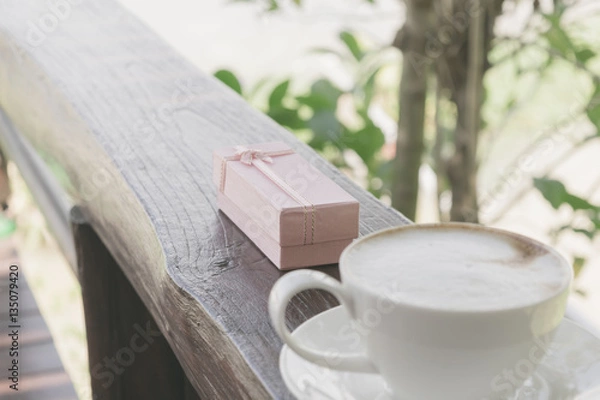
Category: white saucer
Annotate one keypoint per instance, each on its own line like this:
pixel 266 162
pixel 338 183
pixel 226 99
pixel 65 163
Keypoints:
pixel 571 370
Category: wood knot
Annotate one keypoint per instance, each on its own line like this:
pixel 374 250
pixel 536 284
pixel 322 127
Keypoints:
pixel 220 262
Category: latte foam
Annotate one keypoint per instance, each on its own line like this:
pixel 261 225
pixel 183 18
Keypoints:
pixel 456 268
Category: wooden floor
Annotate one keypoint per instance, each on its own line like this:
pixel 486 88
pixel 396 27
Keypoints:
pixel 41 373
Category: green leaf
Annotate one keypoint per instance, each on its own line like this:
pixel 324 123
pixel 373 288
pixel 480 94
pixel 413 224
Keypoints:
pixel 326 129
pixel 552 190
pixel 578 264
pixel 553 18
pixel 229 78
pixel 577 203
pixel 277 95
pixel 559 41
pixel 323 96
pixel 385 171
pixel 593 107
pixel 596 221
pixel 369 87
pixel 352 45
pixel 584 55
pixel 556 193
pixel 287 117
pixel 590 234
pixel 557 38
pixel 366 142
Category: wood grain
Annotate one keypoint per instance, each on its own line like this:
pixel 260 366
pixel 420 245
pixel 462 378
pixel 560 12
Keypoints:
pixel 130 126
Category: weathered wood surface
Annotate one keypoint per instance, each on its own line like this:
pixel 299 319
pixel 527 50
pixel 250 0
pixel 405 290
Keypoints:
pixel 129 126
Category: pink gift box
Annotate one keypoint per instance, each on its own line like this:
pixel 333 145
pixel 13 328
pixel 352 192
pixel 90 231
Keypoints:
pixel 296 215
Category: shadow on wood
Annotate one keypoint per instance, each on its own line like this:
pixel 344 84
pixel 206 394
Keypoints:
pixel 128 355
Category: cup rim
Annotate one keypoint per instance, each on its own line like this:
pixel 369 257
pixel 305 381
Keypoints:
pixel 563 263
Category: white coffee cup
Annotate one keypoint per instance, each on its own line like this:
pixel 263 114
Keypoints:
pixel 473 340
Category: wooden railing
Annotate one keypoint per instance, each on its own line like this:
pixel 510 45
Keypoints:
pixel 113 132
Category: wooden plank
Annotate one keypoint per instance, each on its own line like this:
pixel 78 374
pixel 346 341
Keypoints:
pixel 44 386
pixel 27 304
pixel 41 373
pixel 34 330
pixel 37 358
pixel 132 125
pixel 128 356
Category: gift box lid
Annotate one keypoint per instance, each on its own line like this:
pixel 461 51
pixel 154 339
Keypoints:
pixel 284 195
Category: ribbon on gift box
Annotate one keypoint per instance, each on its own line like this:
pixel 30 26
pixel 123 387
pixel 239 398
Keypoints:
pixel 259 159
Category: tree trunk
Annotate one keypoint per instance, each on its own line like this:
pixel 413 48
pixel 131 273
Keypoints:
pixel 455 36
pixel 462 168
pixel 412 41
pixel 461 70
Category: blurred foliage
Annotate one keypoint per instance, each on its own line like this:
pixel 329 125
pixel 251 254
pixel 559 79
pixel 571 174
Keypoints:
pixel 561 46
pixel 318 114
pixel 584 216
pixel 315 116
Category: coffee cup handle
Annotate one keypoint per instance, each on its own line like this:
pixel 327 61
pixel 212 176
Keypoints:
pixel 290 285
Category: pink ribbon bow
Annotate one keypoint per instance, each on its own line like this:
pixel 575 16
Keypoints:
pixel 247 155
pixel 257 158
